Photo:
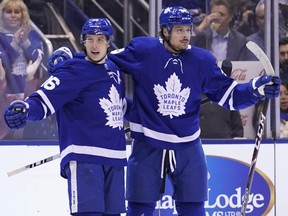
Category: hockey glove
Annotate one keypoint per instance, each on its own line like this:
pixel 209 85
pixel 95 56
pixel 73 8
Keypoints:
pixel 266 86
pixel 16 114
pixel 59 55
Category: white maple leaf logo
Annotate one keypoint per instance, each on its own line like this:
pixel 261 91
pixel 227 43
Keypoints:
pixel 113 108
pixel 172 100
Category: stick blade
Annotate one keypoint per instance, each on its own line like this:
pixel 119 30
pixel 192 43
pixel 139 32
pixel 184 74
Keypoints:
pixel 262 57
pixel 14 172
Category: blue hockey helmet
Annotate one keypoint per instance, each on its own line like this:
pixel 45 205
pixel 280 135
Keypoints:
pixel 97 26
pixel 176 15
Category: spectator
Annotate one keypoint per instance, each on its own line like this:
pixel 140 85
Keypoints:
pixel 258 37
pixel 18 37
pixel 215 34
pixel 245 19
pixel 283 57
pixel 284 110
pixel 22 45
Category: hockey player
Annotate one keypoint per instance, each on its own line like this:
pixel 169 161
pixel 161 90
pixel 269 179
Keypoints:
pixel 169 76
pixel 87 96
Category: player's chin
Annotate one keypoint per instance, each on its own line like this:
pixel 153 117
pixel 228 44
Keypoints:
pixel 95 57
pixel 183 46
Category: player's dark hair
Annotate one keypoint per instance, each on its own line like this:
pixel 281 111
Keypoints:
pixel 161 33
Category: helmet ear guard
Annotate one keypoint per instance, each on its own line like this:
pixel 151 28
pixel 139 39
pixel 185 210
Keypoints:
pixel 97 26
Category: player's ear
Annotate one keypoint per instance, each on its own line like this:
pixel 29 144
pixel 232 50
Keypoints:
pixel 165 32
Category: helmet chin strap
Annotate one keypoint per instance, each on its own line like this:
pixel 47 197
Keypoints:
pixel 167 40
pixel 177 51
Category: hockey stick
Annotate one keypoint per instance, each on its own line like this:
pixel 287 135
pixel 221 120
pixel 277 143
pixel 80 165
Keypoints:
pixel 258 52
pixel 32 165
pixel 41 162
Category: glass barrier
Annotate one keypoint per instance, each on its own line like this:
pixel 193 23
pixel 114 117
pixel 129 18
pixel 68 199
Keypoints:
pixel 221 26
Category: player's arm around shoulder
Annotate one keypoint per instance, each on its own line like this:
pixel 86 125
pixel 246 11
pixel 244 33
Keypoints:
pixel 138 46
pixel 61 55
pixel 71 66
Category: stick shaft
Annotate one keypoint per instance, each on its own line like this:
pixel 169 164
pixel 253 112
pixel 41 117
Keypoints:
pixel 32 165
pixel 258 139
pixel 259 53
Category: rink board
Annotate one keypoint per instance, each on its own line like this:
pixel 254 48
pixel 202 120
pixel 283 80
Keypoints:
pixel 41 191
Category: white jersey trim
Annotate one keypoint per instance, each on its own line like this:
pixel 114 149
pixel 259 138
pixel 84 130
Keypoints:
pixel 46 100
pixel 45 110
pixel 231 101
pixel 163 136
pixel 94 151
pixel 74 190
pixel 227 93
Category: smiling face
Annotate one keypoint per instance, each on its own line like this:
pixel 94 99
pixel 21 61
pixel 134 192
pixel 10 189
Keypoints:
pixel 12 17
pixel 96 47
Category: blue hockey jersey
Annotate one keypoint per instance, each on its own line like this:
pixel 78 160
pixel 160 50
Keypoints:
pixel 88 100
pixel 168 88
